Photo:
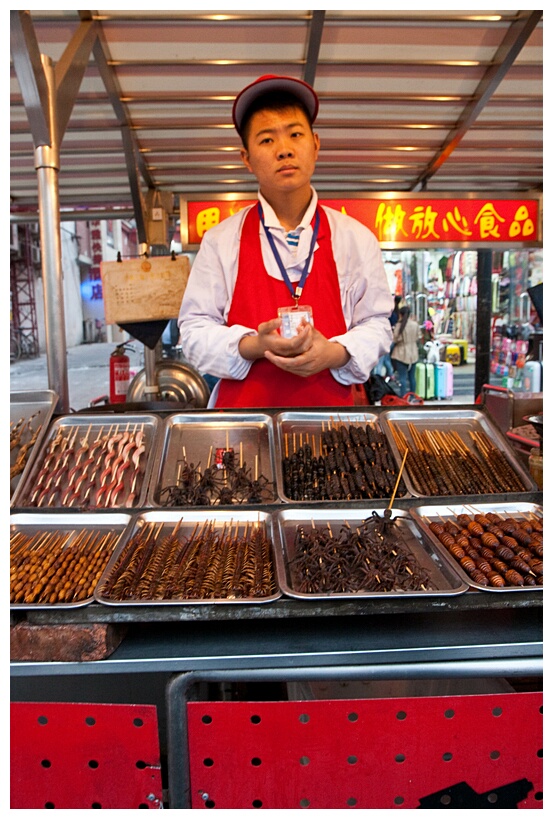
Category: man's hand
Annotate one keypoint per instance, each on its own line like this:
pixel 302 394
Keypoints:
pixel 317 354
pixel 268 339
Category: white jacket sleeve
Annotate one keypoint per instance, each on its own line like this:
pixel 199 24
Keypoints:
pixel 207 342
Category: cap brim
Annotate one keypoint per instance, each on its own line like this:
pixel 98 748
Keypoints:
pixel 298 88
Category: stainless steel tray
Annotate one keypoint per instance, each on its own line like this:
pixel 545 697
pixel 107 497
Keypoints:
pixel 169 533
pixel 34 409
pixel 96 431
pixel 294 430
pixel 425 515
pixel 444 421
pixel 69 536
pixel 200 440
pixel 440 572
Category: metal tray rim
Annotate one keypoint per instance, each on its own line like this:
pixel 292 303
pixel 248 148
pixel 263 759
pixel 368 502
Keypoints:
pixel 341 514
pixel 225 514
pixel 211 419
pixel 369 417
pixel 53 519
pixel 97 420
pixel 476 415
pixel 417 515
pixel 48 397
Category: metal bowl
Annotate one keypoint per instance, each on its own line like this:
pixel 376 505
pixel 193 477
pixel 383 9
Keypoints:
pixel 176 381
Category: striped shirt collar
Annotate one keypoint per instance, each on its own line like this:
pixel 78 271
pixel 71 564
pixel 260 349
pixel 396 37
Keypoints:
pixel 271 218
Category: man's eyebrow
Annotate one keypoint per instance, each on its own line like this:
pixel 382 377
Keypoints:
pixel 272 130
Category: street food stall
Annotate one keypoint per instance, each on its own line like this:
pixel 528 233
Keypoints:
pixel 277 608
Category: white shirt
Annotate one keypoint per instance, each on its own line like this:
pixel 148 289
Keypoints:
pixel 212 347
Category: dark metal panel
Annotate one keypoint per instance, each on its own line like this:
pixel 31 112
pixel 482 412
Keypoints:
pixel 483 320
pixel 28 67
pixel 514 41
pixel 70 70
pixel 133 159
pixel 313 46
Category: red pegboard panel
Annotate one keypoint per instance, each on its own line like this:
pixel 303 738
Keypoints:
pixel 78 755
pixel 478 751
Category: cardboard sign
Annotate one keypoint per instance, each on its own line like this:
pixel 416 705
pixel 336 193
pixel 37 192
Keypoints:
pixel 144 289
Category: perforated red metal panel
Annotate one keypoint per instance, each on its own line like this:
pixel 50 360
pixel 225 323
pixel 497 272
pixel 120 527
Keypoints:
pixel 442 752
pixel 75 755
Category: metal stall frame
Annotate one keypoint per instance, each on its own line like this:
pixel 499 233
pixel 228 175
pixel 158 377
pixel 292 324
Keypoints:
pixel 180 691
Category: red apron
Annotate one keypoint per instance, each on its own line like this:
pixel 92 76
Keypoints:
pixel 257 297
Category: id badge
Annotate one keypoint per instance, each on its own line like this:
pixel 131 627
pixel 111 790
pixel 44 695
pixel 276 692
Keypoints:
pixel 292 317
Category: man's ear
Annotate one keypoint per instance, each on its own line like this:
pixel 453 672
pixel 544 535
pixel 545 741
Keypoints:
pixel 245 159
pixel 317 144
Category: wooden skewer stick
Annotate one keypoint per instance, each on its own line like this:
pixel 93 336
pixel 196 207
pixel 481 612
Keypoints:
pixel 398 479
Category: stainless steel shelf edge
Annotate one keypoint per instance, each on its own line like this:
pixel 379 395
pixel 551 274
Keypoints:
pixel 521 666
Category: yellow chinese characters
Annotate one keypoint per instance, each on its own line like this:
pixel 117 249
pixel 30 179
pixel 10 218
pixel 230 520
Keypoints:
pixel 206 219
pixel 488 218
pixel 423 222
pixel 458 222
pixel 522 224
pixel 389 221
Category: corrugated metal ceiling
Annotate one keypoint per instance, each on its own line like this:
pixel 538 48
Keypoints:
pixel 435 101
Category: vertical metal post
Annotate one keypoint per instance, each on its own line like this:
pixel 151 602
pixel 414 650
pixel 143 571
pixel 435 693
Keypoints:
pixel 47 167
pixel 151 386
pixel 483 321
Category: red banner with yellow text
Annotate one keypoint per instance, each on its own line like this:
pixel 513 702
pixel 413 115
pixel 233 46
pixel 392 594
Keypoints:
pixel 413 220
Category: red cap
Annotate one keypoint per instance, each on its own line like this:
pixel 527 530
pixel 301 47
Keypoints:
pixel 273 82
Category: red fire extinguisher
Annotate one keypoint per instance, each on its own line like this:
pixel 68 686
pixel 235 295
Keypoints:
pixel 119 375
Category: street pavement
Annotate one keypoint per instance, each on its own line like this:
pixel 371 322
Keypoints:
pixel 88 374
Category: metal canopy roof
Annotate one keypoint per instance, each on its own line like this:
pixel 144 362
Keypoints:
pixel 422 100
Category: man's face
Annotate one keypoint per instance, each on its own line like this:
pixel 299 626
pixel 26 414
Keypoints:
pixel 282 150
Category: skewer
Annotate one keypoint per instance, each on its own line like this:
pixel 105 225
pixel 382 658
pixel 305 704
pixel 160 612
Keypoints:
pixel 398 478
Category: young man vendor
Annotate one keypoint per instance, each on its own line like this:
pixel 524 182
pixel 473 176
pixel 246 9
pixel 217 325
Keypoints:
pixel 287 301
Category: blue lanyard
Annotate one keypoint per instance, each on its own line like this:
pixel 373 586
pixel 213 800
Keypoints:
pixel 297 291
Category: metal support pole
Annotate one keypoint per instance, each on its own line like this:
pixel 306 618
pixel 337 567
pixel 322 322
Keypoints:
pixel 151 386
pixel 47 166
pixel 483 321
